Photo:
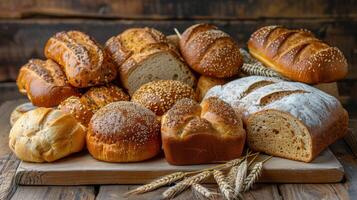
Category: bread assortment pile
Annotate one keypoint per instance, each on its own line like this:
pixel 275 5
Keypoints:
pixel 138 95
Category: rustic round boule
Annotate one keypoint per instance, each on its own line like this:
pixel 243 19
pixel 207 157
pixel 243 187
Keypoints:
pixel 123 132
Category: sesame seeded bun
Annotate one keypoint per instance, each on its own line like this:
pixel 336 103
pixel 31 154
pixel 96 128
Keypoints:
pixel 210 51
pixel 123 132
pixel 195 133
pixel 160 96
pixel 297 55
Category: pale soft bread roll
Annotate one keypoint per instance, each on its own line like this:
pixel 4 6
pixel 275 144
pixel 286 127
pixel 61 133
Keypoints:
pixel 19 111
pixel 46 135
pixel 286 119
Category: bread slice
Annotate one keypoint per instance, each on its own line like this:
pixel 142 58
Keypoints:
pixel 287 119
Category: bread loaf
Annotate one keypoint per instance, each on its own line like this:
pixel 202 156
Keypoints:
pixel 287 119
pixel 82 58
pixel 46 135
pixel 205 83
pixel 160 96
pixel 194 134
pixel 44 82
pixel 211 52
pixel 19 111
pixel 95 98
pixel 123 132
pixel 297 55
pixel 144 55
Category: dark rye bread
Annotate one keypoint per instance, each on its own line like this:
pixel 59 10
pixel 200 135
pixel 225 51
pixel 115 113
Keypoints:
pixel 44 82
pixel 297 55
pixel 210 51
pixel 123 132
pixel 195 133
pixel 143 54
pixel 82 58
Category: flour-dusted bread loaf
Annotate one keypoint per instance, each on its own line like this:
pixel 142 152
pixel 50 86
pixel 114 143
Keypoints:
pixel 144 55
pixel 297 55
pixel 195 133
pixel 46 135
pixel 287 119
pixel 44 82
pixel 210 51
pixel 84 61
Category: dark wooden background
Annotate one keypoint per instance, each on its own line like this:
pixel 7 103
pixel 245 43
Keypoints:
pixel 26 25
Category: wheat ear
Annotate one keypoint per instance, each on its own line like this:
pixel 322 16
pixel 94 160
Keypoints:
pixel 253 176
pixel 224 187
pixel 231 175
pixel 184 184
pixel 240 176
pixel 202 191
pixel 158 183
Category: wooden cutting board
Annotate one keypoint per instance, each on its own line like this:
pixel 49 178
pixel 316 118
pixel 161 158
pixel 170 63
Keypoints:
pixel 82 169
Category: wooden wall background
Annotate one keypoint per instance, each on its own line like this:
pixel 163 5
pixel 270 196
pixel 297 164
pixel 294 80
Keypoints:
pixel 26 25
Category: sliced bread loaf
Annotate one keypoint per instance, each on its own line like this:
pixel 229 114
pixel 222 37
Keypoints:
pixel 286 119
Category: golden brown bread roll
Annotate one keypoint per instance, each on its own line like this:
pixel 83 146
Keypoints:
pixel 210 51
pixel 205 83
pixel 142 55
pixel 123 132
pixel 44 83
pixel 96 97
pixel 297 55
pixel 196 134
pixel 83 59
pixel 46 135
pixel 160 96
pixel 19 111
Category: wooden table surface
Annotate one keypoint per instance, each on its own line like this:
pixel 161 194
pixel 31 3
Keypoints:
pixel 344 149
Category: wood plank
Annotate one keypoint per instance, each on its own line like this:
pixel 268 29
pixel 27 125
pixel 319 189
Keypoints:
pixel 114 192
pixel 313 191
pixel 16 47
pixel 8 166
pixel 54 192
pixel 179 9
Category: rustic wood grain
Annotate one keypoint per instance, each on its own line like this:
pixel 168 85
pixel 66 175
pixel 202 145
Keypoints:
pixel 114 192
pixel 8 166
pixel 21 40
pixel 313 191
pixel 179 9
pixel 351 138
pixel 54 193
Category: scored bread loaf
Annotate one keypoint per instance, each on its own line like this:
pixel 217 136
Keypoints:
pixel 210 51
pixel 297 55
pixel 82 58
pixel 44 82
pixel 19 111
pixel 195 133
pixel 287 119
pixel 144 55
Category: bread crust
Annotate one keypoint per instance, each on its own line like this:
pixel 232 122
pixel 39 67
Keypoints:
pixel 19 111
pixel 44 83
pixel 208 133
pixel 205 83
pixel 123 132
pixel 210 51
pixel 297 55
pixel 82 58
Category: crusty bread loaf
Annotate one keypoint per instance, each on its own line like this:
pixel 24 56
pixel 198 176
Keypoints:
pixel 123 132
pixel 174 40
pixel 160 96
pixel 19 111
pixel 297 55
pixel 82 58
pixel 205 83
pixel 95 98
pixel 206 133
pixel 46 135
pixel 144 55
pixel 287 119
pixel 211 52
pixel 44 82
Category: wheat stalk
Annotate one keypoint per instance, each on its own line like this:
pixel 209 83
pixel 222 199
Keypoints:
pixel 252 177
pixel 231 175
pixel 158 183
pixel 184 184
pixel 202 191
pixel 224 187
pixel 240 176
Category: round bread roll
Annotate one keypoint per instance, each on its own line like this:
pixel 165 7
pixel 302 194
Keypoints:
pixel 123 132
pixel 160 96
pixel 210 51
pixel 78 108
pixel 46 135
pixel 19 111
